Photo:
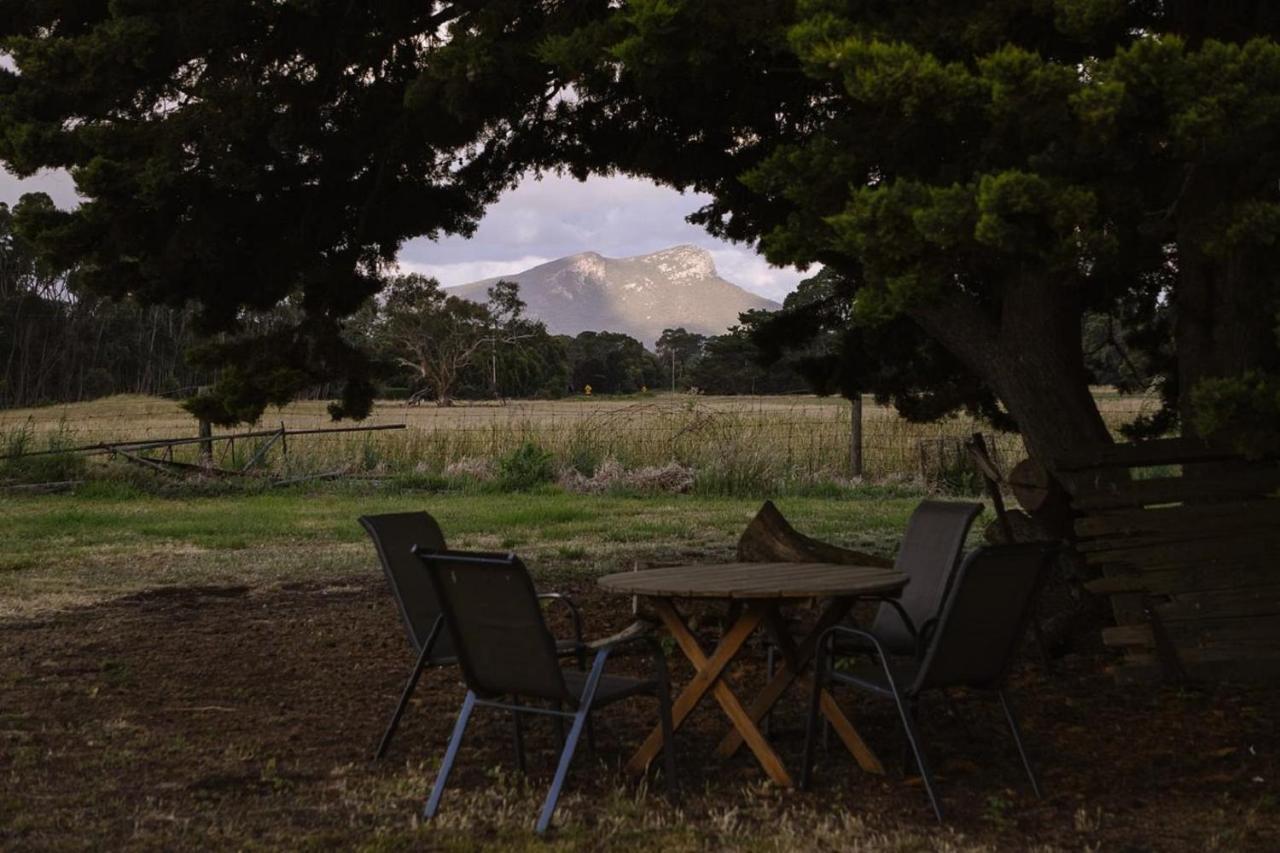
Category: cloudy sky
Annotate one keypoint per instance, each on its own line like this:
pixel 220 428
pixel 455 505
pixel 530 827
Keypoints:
pixel 542 220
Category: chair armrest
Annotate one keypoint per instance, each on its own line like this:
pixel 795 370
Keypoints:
pixel 906 620
pixel 574 613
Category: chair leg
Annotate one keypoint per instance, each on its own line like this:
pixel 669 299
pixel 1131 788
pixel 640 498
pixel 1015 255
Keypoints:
pixel 1017 739
pixel 562 770
pixel 383 744
pixel 811 724
pixel 442 777
pixel 913 738
pixel 768 719
pixel 668 729
pixel 517 725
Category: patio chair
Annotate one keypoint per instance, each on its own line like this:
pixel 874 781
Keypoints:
pixel 973 646
pixel 930 552
pixel 508 660
pixel 394 535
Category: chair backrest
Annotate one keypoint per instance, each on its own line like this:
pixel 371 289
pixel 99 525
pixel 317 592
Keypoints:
pixel 394 534
pixel 500 638
pixel 929 555
pixel 984 616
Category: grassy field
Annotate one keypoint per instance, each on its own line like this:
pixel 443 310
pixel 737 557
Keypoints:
pixel 731 445
pixel 65 550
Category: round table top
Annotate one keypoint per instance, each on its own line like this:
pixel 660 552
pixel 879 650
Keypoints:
pixel 757 580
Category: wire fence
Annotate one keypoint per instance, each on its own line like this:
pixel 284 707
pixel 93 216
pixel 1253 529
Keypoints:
pixel 740 440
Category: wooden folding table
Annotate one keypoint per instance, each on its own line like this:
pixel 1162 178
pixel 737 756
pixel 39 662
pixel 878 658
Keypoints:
pixel 761 590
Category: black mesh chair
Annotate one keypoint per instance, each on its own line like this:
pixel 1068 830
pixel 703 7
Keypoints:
pixel 508 660
pixel 394 535
pixel 973 646
pixel 929 554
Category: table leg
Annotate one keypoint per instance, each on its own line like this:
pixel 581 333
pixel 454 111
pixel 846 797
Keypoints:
pixel 794 659
pixel 708 676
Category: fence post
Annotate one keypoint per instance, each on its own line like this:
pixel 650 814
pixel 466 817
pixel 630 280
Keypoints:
pixel 206 447
pixel 855 435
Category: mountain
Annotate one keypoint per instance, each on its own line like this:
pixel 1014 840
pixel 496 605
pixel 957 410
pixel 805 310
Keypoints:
pixel 640 296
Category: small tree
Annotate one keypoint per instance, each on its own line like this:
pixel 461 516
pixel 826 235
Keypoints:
pixel 678 350
pixel 432 333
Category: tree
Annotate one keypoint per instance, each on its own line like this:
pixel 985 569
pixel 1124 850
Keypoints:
pixel 732 364
pixel 235 154
pixel 678 351
pixel 432 333
pixel 611 363
pixel 524 360
pixel 978 176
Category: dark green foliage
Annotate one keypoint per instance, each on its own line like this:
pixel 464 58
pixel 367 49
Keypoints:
pixel 239 154
pixel 526 467
pixel 732 363
pixel 60 343
pixel 977 175
pixel 678 352
pixel 611 363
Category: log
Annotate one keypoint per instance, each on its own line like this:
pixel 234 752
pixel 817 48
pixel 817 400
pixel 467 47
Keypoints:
pixel 770 538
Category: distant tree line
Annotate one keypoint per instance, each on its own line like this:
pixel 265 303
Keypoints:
pixel 60 343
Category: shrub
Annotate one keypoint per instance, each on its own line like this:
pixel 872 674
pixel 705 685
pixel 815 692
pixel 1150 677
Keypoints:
pixel 526 467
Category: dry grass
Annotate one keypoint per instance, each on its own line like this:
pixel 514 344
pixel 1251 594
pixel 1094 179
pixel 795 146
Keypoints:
pixel 736 444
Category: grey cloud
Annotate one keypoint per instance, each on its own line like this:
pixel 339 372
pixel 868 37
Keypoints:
pixel 56 183
pixel 615 216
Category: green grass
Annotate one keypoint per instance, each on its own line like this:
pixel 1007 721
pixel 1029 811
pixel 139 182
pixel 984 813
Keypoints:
pixel 60 550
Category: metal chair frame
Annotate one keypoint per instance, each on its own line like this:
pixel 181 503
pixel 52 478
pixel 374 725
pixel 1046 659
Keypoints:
pixel 905 699
pixel 431 530
pixel 580 716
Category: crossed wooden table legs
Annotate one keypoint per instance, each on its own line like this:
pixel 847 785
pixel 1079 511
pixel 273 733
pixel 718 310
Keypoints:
pixel 709 675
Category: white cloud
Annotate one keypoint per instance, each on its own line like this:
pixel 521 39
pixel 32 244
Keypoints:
pixel 463 272
pixel 615 216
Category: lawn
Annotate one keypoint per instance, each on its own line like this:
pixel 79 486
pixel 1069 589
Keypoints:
pixel 214 672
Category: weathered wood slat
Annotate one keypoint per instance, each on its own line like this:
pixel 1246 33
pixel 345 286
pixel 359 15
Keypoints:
pixel 1160 451
pixel 1194 578
pixel 1261 632
pixel 1161 555
pixel 1233 665
pixel 1189 521
pixel 1163 490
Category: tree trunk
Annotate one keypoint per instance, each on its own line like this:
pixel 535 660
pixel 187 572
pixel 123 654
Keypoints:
pixel 1032 358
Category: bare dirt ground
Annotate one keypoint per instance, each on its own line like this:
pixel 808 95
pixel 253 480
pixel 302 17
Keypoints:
pixel 230 717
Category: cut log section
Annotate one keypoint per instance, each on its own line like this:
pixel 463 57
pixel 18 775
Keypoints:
pixel 770 538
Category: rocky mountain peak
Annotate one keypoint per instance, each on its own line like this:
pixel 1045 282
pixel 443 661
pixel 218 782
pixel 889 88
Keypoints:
pixel 639 296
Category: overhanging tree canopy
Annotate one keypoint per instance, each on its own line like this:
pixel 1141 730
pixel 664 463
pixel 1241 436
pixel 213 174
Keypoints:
pixel 238 153
pixel 987 171
pixel 979 173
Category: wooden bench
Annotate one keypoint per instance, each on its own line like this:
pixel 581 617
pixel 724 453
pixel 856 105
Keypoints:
pixel 1188 551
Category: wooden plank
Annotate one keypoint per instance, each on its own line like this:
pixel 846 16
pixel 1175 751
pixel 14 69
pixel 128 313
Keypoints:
pixel 1258 631
pixel 1197 577
pixel 1160 451
pixel 1228 554
pixel 1190 521
pixel 1254 668
pixel 1162 490
pixel 1221 603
